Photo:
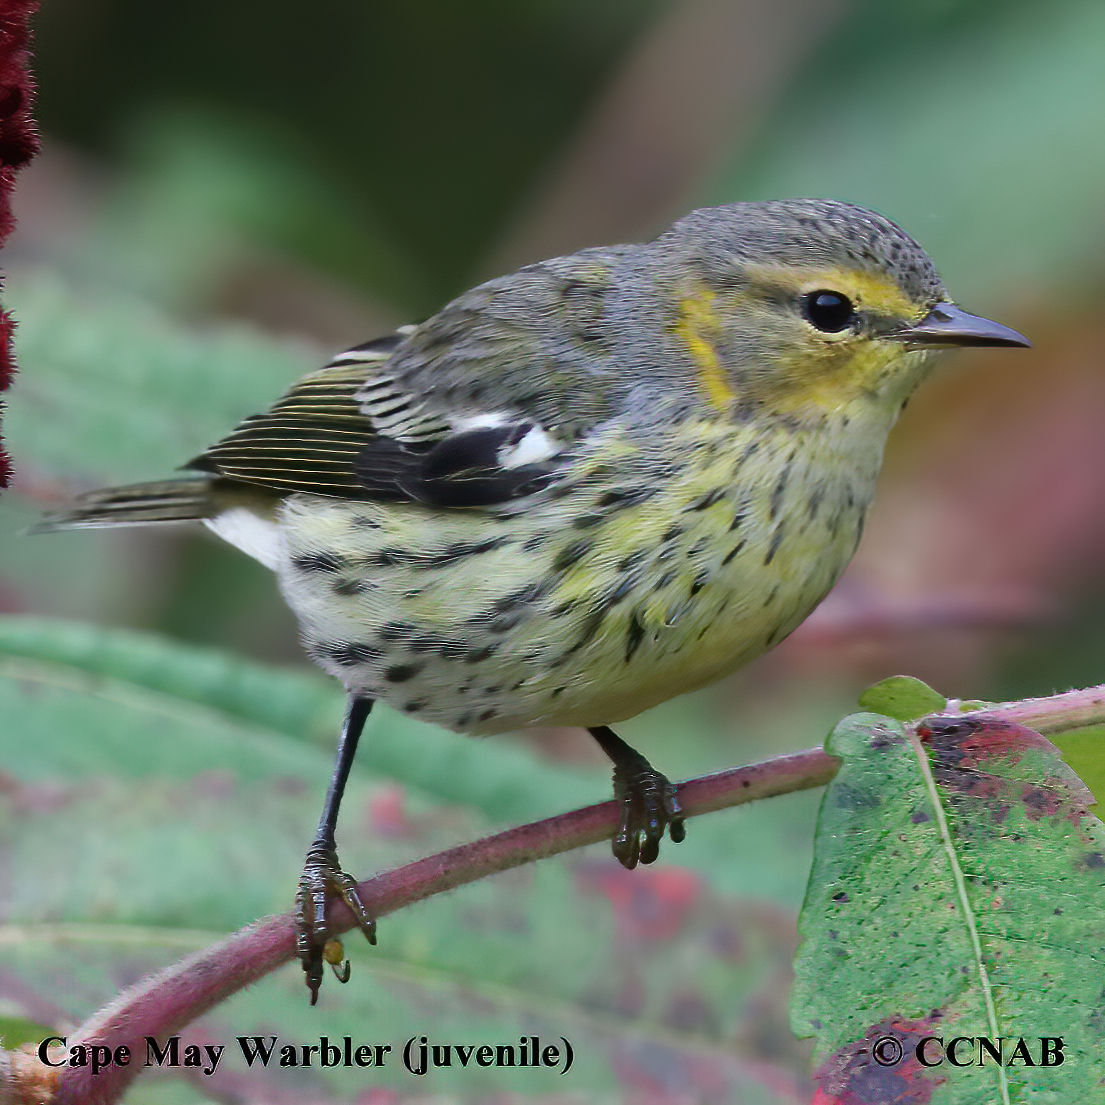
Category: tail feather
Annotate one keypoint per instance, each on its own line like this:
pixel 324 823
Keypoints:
pixel 136 505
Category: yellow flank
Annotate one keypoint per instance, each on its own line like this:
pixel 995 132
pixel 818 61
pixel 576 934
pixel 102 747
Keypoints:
pixel 697 318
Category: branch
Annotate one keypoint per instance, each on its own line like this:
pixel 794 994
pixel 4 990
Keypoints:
pixel 163 1004
pixel 1057 714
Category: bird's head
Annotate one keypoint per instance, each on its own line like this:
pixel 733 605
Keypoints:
pixel 805 306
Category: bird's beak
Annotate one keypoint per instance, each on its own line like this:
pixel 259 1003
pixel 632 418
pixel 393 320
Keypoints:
pixel 946 324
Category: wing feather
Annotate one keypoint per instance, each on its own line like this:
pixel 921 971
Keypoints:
pixel 351 430
pixel 307 441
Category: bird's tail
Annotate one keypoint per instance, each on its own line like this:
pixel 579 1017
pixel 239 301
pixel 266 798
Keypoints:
pixel 138 504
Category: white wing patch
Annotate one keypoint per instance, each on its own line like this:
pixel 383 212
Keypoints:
pixel 535 447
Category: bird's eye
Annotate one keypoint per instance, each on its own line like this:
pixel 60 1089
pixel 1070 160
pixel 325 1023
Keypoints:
pixel 829 311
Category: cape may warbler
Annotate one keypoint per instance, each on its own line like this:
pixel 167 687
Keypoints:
pixel 579 489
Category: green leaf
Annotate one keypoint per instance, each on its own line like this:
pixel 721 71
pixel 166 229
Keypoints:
pixel 16 1031
pixel 505 783
pixel 901 697
pixel 651 977
pixel 1084 750
pixel 957 890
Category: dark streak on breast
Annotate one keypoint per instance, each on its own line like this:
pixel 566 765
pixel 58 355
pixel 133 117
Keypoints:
pixel 400 673
pixel 348 654
pixel 733 551
pixel 347 588
pixel 707 500
pixel 390 558
pixel 780 487
pixel 572 554
pixel 319 562
pixel 776 541
pixel 597 614
pixel 634 635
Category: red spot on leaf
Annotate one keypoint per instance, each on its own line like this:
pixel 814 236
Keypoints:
pixel 726 943
pixel 629 999
pixel 689 1011
pixel 378 1095
pixel 216 783
pixel 29 799
pixel 969 744
pixel 971 755
pixel 659 1075
pixel 854 1076
pixel 1042 801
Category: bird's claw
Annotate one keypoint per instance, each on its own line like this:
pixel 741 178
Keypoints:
pixel 322 881
pixel 333 952
pixel 649 806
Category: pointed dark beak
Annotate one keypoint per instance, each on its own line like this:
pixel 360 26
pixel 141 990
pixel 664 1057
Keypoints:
pixel 946 324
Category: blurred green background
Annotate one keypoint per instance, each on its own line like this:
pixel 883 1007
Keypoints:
pixel 230 192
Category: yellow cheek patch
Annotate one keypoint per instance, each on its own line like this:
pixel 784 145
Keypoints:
pixel 698 321
pixel 830 380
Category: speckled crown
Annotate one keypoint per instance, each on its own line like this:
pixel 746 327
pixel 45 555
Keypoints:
pixel 808 232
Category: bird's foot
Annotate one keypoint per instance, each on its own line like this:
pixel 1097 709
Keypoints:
pixel 649 806
pixel 322 881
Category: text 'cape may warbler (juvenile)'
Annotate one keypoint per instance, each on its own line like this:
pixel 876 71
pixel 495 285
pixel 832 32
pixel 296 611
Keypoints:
pixel 580 489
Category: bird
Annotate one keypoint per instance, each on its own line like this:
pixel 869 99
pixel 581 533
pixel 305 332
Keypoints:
pixel 579 489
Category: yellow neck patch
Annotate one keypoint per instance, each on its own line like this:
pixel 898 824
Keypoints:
pixel 697 323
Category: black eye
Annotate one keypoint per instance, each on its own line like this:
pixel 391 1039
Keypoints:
pixel 830 312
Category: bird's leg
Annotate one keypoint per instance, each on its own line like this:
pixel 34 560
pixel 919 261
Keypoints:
pixel 323 878
pixel 648 800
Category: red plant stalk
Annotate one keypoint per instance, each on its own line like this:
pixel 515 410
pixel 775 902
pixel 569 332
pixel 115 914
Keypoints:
pixel 18 144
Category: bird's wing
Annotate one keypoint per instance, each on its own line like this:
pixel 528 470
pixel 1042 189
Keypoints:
pixel 471 408
pixel 312 435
